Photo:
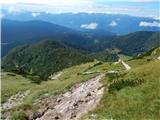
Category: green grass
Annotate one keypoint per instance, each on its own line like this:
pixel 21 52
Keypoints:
pixel 107 66
pixel 124 57
pixel 13 83
pixel 141 102
pixel 131 101
pixel 137 62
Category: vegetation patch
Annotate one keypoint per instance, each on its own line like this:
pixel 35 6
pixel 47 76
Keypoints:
pixel 19 116
pixel 120 84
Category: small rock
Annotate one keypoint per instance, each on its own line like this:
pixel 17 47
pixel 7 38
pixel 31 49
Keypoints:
pixel 86 101
pixel 75 105
pixel 57 117
pixel 58 100
pixel 73 115
pixel 88 94
pixel 80 101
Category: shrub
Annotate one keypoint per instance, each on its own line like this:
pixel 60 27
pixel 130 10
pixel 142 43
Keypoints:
pixel 96 64
pixel 19 116
pixel 120 84
pixel 11 74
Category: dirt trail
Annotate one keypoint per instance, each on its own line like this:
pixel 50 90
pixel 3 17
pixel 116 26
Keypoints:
pixel 126 65
pixel 76 102
pixel 55 76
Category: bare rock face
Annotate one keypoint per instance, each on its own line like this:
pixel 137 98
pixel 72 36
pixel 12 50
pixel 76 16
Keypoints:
pixel 76 102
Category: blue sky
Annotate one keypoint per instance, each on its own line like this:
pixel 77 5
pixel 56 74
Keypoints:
pixel 144 8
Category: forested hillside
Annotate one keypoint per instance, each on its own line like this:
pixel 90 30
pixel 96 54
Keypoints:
pixel 43 58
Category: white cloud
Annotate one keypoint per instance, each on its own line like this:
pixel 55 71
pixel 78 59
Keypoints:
pixel 144 0
pixel 35 14
pixel 149 24
pixel 89 6
pixel 91 26
pixel 157 18
pixel 13 10
pixel 48 2
pixel 113 24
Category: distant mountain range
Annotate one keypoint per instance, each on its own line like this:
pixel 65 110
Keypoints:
pixel 15 33
pixel 98 22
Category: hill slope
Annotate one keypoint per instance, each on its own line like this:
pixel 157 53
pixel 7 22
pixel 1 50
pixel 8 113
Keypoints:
pixel 138 42
pixel 133 94
pixel 43 58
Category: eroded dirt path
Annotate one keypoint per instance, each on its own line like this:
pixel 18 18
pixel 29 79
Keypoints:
pixel 76 102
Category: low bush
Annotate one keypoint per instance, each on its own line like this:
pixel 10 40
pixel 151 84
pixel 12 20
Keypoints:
pixel 122 83
pixel 19 116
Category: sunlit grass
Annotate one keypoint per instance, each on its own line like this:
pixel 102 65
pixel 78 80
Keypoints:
pixel 13 83
pixel 141 102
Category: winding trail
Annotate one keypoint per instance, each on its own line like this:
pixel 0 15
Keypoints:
pixel 125 65
pixel 76 102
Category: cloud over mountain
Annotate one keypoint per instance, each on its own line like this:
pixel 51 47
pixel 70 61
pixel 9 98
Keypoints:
pixel 35 14
pixel 91 26
pixel 113 24
pixel 149 24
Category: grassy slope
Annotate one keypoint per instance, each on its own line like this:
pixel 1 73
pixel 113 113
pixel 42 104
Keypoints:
pixel 69 77
pixel 107 66
pixel 133 103
pixel 12 84
pixel 140 102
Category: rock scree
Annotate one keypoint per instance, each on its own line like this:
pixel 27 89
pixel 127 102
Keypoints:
pixel 73 104
pixel 15 100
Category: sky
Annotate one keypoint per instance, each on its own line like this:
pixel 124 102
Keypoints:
pixel 142 8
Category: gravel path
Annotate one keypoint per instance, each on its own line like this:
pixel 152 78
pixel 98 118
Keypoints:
pixel 76 102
